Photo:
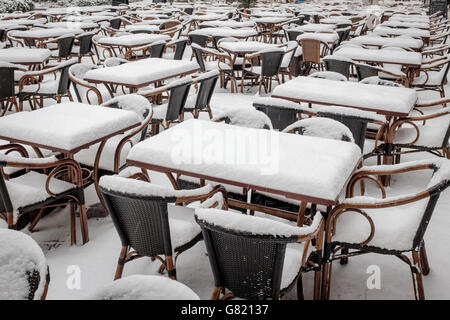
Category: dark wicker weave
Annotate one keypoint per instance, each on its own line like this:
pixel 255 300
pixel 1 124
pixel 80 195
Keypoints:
pixel 338 65
pixel 7 89
pixel 157 50
pixel 180 47
pixel 280 117
pixel 204 94
pixel 250 266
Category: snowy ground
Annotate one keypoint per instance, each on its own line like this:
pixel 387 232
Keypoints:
pixel 97 259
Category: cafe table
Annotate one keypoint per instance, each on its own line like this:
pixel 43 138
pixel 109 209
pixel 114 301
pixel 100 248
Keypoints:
pixel 25 56
pixel 307 169
pixel 141 73
pixel 377 41
pixel 128 42
pixel 67 128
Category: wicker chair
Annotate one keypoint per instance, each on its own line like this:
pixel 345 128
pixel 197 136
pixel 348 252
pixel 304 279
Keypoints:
pixel 84 46
pixel 64 46
pixel 32 88
pixel 390 226
pixel 179 48
pixel 22 259
pixel 25 198
pixel 271 60
pixel 281 113
pixel 85 91
pixel 433 75
pixel 201 101
pixel 173 110
pixel 338 64
pixel 312 52
pixel 8 97
pixel 253 263
pixel 140 213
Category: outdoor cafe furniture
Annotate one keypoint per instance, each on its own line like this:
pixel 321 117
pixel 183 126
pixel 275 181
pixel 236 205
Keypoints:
pixel 40 35
pixel 145 221
pixel 130 42
pixel 183 150
pixel 242 33
pixel 392 225
pixel 412 32
pixel 141 73
pixel 79 126
pixel 378 42
pixel 34 58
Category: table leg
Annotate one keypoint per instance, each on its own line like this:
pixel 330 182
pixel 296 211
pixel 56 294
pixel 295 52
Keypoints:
pixel 301 213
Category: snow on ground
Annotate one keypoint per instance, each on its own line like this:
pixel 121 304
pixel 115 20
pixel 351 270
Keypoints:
pixel 98 258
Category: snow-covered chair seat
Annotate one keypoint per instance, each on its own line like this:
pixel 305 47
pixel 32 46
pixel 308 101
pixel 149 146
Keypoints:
pixel 116 149
pixel 200 101
pixel 145 287
pixel 141 215
pixel 255 257
pixel 34 191
pixel 24 273
pixel 423 132
pixel 321 127
pixel 55 87
pixel 433 75
pixel 392 225
pixel 87 92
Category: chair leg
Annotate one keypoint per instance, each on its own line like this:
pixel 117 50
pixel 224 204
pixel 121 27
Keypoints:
pixel 326 280
pixel 171 268
pixel 121 262
pixel 417 273
pixel 35 220
pixel 216 293
pixel 300 295
pixel 424 264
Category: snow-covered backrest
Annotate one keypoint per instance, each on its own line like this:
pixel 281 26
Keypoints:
pixel 375 80
pixel 133 102
pixel 329 75
pixel 23 267
pixel 245 117
pixel 321 127
pixel 114 61
pixel 145 287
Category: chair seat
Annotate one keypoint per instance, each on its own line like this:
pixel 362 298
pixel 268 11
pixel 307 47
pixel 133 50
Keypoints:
pixel 292 264
pixel 254 70
pixel 45 87
pixel 214 65
pixel 190 102
pixel 434 79
pixel 87 156
pixel 29 189
pixel 183 228
pixel 159 112
pixel 395 227
pixel 432 134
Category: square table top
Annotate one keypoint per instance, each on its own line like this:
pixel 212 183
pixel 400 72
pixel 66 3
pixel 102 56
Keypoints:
pixel 66 127
pixel 142 72
pixel 328 38
pixel 378 41
pixel 25 55
pixel 42 34
pixel 384 100
pixel 299 167
pixel 226 32
pixel 133 40
pixel 413 32
pixel 241 47
pixel 387 55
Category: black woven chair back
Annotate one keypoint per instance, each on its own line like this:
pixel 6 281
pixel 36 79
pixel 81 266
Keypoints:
pixel 343 34
pixel 178 96
pixel 205 92
pixel 5 201
pixel 85 43
pixel 216 40
pixel 2 35
pixel 180 47
pixel 293 34
pixel 365 71
pixel 280 117
pixel 115 23
pixel 356 125
pixel 198 39
pixel 7 82
pixel 141 222
pixel 65 47
pixel 300 20
pixel 444 78
pixel 199 58
pixel 307 16
pixel 157 50
pixel 249 266
pixel 141 31
pixel 64 80
pixel 339 66
pixel 270 63
pixel 316 18
pixel 188 10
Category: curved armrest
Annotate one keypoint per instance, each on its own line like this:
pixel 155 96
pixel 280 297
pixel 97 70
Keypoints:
pixel 205 196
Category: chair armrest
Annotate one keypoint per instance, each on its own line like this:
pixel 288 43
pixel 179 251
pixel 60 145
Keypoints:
pixel 204 196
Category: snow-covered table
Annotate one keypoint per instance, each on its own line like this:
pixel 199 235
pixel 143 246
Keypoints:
pixel 85 26
pixel 329 38
pixel 44 34
pixel 389 56
pixel 229 23
pixel 377 41
pixel 141 73
pixel 242 33
pixel 303 168
pixel 384 100
pixel 405 24
pixel 244 47
pixel 133 40
pixel 412 32
pixel 315 27
pixel 25 56
pixel 68 128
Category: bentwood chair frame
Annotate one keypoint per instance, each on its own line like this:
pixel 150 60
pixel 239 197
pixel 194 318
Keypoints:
pixel 57 168
pixel 204 93
pixel 155 226
pixel 8 98
pixel 313 50
pixel 419 265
